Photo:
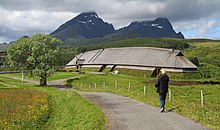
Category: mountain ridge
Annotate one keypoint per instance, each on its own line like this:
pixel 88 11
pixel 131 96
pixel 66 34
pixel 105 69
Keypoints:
pixel 89 26
pixel 161 27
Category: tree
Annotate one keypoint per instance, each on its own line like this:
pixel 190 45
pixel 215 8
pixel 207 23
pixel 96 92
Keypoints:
pixel 38 55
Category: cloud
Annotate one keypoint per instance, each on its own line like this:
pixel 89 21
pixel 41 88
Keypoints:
pixel 8 34
pixel 206 28
pixel 138 9
pixel 22 20
pixel 19 23
pixel 32 16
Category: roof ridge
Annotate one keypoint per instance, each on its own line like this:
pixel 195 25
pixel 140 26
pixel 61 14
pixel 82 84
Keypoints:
pixel 155 48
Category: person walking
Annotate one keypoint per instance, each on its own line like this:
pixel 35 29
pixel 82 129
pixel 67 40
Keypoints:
pixel 161 85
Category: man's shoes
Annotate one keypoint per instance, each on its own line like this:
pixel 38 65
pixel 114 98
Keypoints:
pixel 162 110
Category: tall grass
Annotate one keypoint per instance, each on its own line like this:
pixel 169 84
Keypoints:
pixel 23 109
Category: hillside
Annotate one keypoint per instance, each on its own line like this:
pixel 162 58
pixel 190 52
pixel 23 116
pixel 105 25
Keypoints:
pixel 206 54
pixel 138 42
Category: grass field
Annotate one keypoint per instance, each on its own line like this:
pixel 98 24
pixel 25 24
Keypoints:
pixel 23 108
pixel 185 101
pixel 206 44
pixel 61 109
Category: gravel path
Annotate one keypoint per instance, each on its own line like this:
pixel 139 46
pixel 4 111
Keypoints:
pixel 127 114
pixel 25 80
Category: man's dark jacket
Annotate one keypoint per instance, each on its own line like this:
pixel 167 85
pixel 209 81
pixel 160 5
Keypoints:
pixel 161 84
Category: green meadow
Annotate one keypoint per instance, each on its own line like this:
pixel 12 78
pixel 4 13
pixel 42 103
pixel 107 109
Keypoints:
pixel 207 44
pixel 25 106
pixel 67 109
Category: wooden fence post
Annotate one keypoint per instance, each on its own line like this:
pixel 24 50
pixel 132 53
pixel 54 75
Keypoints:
pixel 129 87
pixel 144 90
pixel 115 83
pixel 95 86
pixel 22 77
pixel 170 95
pixel 104 84
pixel 202 98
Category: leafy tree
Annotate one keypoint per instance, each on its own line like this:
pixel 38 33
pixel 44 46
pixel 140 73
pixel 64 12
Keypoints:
pixel 37 55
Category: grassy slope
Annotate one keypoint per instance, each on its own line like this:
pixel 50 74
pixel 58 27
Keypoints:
pixel 207 44
pixel 186 99
pixel 207 53
pixel 68 110
pixel 138 42
pixel 73 112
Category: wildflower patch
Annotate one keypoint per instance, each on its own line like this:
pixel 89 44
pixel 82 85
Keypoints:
pixel 23 108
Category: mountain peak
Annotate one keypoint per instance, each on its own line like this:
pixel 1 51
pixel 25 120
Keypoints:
pixel 160 27
pixel 86 17
pixel 85 25
pixel 91 14
pixel 161 19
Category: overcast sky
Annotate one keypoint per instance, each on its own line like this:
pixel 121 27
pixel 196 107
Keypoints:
pixel 194 18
